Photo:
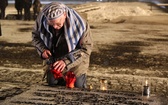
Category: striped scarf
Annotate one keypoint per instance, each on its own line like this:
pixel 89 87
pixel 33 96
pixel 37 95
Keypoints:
pixel 74 26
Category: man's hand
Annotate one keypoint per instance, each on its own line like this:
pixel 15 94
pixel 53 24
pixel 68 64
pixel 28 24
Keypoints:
pixel 59 65
pixel 46 54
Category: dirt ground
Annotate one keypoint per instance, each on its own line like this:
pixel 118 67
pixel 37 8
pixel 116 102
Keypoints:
pixel 130 45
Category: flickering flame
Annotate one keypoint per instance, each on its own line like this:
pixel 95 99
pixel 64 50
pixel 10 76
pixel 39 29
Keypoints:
pixel 91 87
pixel 146 83
pixel 103 88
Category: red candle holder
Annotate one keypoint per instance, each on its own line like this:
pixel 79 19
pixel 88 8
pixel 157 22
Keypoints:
pixel 70 79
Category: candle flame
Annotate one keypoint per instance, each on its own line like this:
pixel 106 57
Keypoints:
pixel 91 87
pixel 103 88
pixel 146 83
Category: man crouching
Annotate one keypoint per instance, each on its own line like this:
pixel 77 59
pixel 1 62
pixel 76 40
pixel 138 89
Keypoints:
pixel 63 39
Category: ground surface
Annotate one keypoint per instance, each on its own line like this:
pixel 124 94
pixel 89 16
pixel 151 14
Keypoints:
pixel 130 45
pixel 44 95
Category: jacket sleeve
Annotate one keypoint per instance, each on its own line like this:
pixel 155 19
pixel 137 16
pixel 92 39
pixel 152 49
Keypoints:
pixel 36 39
pixel 83 52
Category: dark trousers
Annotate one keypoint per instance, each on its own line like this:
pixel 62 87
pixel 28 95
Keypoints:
pixel 79 83
pixel 2 13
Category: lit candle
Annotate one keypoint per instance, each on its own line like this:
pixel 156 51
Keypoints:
pixel 146 89
pixel 103 84
pixel 146 83
pixel 90 87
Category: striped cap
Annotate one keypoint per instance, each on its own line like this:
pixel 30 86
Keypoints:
pixel 53 10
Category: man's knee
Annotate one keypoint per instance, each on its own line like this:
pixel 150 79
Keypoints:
pixel 52 81
pixel 81 81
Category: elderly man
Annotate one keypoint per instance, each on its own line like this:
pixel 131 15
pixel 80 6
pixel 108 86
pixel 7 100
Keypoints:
pixel 62 34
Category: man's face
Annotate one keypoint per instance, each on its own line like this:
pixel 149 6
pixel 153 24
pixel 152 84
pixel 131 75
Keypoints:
pixel 58 23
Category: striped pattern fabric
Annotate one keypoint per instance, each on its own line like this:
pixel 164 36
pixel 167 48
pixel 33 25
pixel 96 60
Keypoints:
pixel 74 26
pixel 53 10
pixel 75 29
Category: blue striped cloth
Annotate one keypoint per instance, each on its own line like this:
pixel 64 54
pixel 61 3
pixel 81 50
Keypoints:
pixel 75 29
pixel 74 26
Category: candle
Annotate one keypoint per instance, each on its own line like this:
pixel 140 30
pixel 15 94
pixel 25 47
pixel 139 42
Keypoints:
pixel 146 89
pixel 90 86
pixel 103 84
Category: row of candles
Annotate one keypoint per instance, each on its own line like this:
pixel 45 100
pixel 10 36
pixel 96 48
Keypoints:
pixel 145 87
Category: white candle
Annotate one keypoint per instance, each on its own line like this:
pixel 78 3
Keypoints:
pixel 146 90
